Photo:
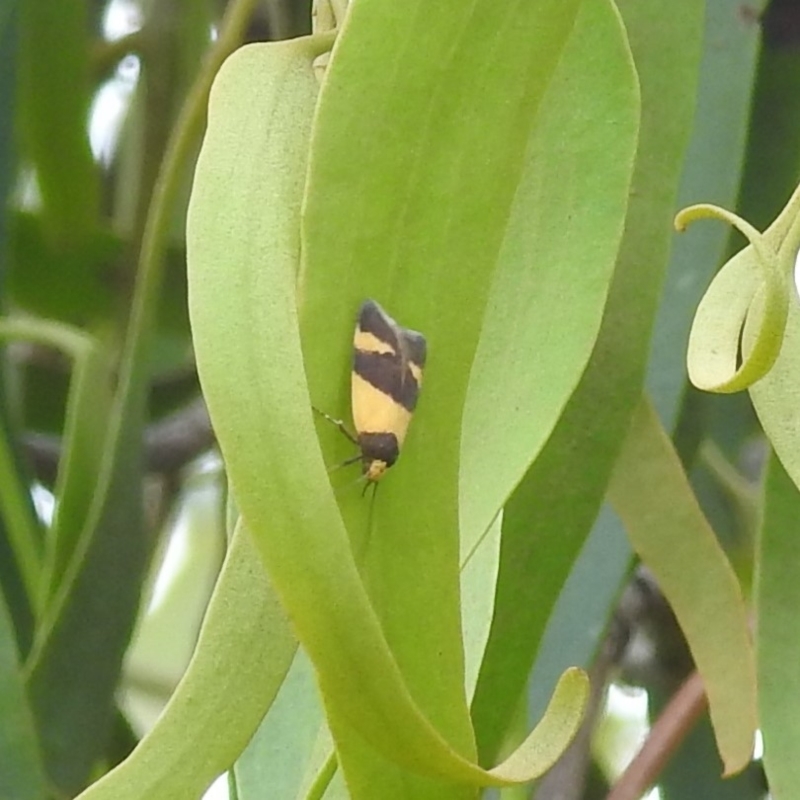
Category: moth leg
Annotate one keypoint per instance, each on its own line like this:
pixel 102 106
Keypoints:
pixel 346 463
pixel 342 427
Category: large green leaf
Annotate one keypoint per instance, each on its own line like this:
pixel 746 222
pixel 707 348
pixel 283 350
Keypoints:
pixel 77 656
pixel 432 176
pixel 556 263
pixel 550 513
pixel 730 47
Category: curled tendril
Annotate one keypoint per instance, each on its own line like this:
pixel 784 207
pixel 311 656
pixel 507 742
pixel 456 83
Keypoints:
pixel 739 326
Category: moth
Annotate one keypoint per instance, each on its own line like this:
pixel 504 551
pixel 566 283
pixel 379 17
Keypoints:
pixel 386 376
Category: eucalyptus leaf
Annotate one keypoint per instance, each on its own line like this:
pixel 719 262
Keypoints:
pixel 555 264
pixel 650 492
pixel 550 513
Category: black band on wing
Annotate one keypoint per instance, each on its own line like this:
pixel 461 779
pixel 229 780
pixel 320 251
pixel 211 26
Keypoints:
pixel 387 373
pixel 373 319
pixel 378 447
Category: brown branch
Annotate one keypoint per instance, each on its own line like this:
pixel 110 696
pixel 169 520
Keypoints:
pixel 170 443
pixel 669 730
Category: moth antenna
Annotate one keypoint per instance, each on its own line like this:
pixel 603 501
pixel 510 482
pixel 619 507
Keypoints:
pixel 347 485
pixel 360 553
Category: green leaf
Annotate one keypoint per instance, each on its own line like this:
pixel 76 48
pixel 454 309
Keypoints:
pixel 243 653
pixel 22 528
pixel 529 362
pixel 71 281
pixel 777 593
pixel 81 452
pixel 712 171
pixel 278 753
pixel 478 578
pixel 550 513
pixel 91 381
pixel 22 775
pixel 243 251
pixel 92 612
pixel 740 323
pixel 432 175
pixel 651 493
pixel 774 396
pixel 89 400
pixel 84 559
pixel 565 230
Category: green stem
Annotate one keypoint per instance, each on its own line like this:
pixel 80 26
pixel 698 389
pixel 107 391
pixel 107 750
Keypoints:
pixel 188 127
pixel 71 341
pixel 106 55
pixel 24 530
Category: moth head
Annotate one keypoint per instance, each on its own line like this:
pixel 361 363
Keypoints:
pixel 374 469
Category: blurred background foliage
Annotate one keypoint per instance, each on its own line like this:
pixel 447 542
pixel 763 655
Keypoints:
pixel 118 580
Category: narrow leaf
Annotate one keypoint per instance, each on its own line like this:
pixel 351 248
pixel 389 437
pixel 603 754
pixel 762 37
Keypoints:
pixel 651 493
pixel 549 515
pixel 243 652
pixel 22 773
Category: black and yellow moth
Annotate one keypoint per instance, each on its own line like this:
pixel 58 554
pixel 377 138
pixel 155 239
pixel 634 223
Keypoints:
pixel 386 377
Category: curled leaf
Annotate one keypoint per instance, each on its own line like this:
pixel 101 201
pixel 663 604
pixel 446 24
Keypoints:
pixel 749 294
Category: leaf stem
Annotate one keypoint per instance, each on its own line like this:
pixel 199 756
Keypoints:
pixel 24 529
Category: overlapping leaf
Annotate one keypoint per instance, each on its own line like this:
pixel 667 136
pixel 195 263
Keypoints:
pixel 549 515
pixel 243 653
pixel 242 280
pixel 650 492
